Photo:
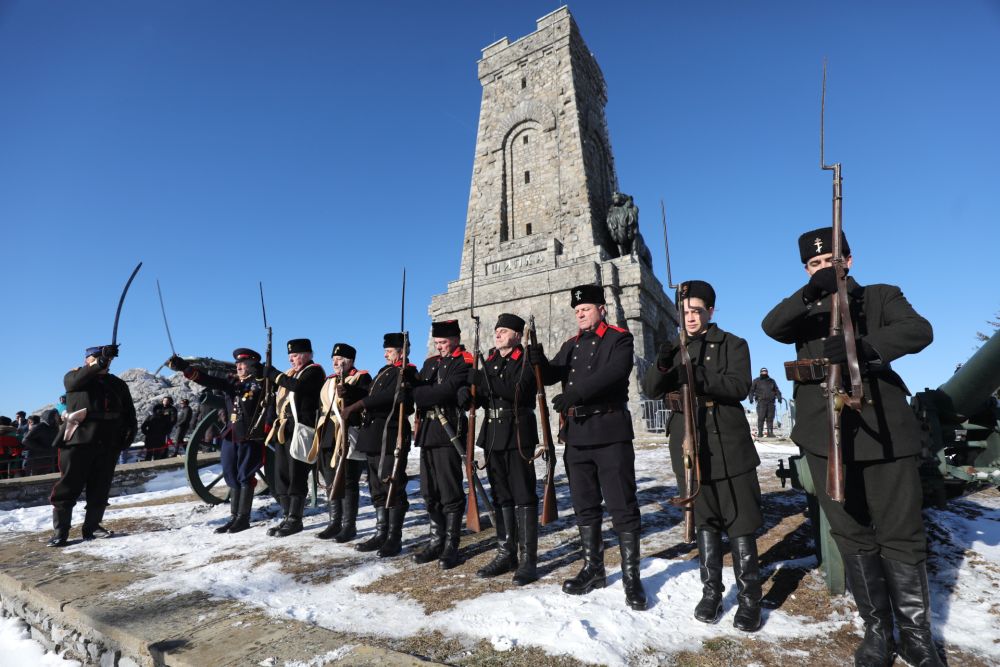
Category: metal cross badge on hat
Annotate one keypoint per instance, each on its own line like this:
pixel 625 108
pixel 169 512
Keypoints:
pixel 819 245
pixel 579 295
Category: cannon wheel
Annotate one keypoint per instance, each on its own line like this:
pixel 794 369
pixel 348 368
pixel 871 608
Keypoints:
pixel 204 451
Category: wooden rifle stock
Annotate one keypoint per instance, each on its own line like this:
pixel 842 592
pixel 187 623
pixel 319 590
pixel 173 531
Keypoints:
pixel 337 489
pixel 550 510
pixel 472 509
pixel 398 462
pixel 690 447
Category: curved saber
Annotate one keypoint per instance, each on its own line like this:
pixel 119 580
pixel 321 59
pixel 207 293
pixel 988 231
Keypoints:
pixel 118 313
pixel 167 326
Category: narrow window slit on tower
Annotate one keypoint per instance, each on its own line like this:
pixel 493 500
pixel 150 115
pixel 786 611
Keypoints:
pixel 527 229
pixel 524 139
pixel 527 177
pixel 524 82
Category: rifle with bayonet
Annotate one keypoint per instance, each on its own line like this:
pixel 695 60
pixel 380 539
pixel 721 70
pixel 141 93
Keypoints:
pixel 399 400
pixel 550 511
pixel 841 324
pixel 472 509
pixel 475 485
pixel 257 429
pixel 339 485
pixel 690 448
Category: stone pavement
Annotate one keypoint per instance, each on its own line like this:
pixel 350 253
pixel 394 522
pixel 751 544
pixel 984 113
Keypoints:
pixel 70 602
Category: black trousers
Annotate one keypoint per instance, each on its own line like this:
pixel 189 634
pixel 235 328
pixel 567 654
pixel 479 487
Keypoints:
pixel 378 489
pixel 441 479
pixel 352 473
pixel 603 472
pixel 881 513
pixel 90 466
pixel 512 479
pixel 291 476
pixel 730 505
pixel 765 413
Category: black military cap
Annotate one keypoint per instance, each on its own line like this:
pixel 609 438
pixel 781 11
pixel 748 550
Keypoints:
pixel 820 242
pixel 300 345
pixel 392 340
pixel 344 350
pixel 246 354
pixel 94 350
pixel 445 329
pixel 510 321
pixel 587 294
pixel 698 289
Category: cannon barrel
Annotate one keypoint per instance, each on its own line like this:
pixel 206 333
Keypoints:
pixel 968 389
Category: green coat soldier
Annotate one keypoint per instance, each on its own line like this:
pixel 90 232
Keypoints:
pixel 593 368
pixel 878 529
pixel 100 422
pixel 729 499
pixel 505 389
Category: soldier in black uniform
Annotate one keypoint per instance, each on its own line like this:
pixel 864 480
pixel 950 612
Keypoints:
pixel 440 464
pixel 347 384
pixel 505 388
pixel 764 391
pixel 100 421
pixel 594 368
pixel 243 450
pixel 379 412
pixel 878 529
pixel 157 426
pixel 729 499
pixel 297 404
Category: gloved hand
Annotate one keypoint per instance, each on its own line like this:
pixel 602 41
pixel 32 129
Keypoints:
pixel 176 363
pixel 103 362
pixel 536 355
pixel 340 389
pixel 835 349
pixel 665 355
pixel 821 283
pixel 109 352
pixel 564 401
pixel 463 396
pixel 271 373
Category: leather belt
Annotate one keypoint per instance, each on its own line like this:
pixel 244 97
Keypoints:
pixel 500 414
pixel 594 409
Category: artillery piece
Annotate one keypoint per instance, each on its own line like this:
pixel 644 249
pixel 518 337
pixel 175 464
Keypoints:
pixel 202 459
pixel 961 425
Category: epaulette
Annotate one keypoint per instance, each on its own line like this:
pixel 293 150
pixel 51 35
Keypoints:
pixel 516 354
pixel 469 359
pixel 618 329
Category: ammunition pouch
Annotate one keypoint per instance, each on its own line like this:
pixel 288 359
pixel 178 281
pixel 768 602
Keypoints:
pixel 805 370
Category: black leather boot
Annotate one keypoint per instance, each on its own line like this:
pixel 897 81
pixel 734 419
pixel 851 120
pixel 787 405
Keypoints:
pixel 61 519
pixel 635 594
pixel 394 533
pixel 244 510
pixel 450 557
pixel 709 608
pixel 593 574
pixel 505 559
pixel 335 510
pixel 866 580
pixel 749 583
pixel 435 542
pixel 293 524
pixel 92 528
pixel 527 543
pixel 234 510
pixel 381 530
pixel 349 529
pixel 273 530
pixel 911 603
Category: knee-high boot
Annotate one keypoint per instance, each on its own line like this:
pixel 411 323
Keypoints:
pixel 593 574
pixel 911 603
pixel 234 509
pixel 243 512
pixel 527 542
pixel 867 581
pixel 635 595
pixel 749 583
pixel 505 559
pixel 709 608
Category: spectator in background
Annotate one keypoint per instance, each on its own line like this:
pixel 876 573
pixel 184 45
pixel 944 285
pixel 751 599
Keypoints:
pixel 184 418
pixel 20 424
pixel 61 406
pixel 157 427
pixel 39 454
pixel 765 391
pixel 10 449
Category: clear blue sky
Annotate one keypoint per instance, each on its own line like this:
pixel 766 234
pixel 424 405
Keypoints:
pixel 320 146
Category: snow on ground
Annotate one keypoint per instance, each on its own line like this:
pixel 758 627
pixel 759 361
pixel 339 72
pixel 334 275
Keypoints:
pixel 187 556
pixel 19 650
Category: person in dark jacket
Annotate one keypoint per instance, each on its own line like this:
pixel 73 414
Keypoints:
pixel 39 453
pixel 184 418
pixel 157 426
pixel 297 403
pixel 100 422
pixel 878 529
pixel 764 391
pixel 505 389
pixel 10 449
pixel 242 452
pixel 729 498
pixel 437 388
pixel 593 368
pixel 377 439
pixel 346 385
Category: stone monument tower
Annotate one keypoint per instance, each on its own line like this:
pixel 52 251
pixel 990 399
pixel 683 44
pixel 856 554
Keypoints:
pixel 542 184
